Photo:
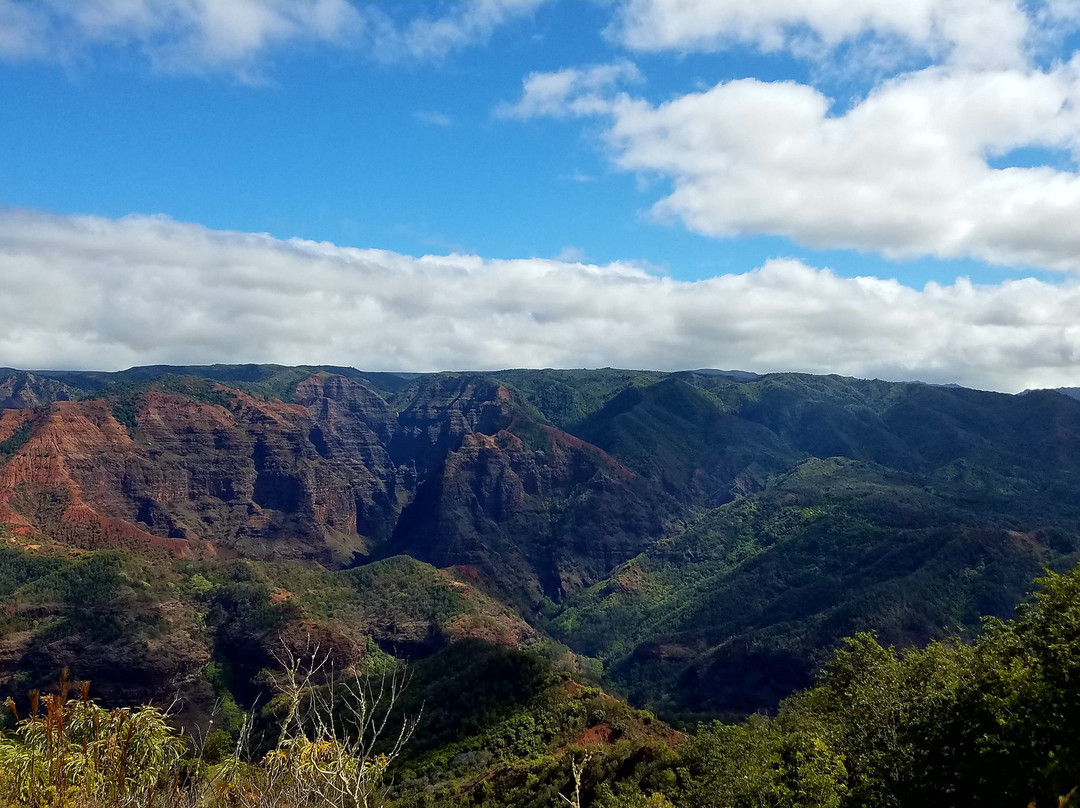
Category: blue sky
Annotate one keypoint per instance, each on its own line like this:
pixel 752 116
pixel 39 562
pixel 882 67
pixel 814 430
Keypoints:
pixel 876 189
pixel 329 145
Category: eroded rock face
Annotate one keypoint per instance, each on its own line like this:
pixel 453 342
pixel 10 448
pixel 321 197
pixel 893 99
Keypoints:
pixel 351 429
pixel 460 474
pixel 539 518
pixel 19 390
pixel 66 481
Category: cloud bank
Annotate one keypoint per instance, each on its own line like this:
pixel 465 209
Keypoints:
pixel 86 292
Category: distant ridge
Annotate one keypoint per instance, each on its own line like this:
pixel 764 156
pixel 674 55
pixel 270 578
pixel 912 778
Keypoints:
pixel 96 380
pixel 737 375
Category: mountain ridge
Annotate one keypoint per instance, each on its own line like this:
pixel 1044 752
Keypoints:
pixel 699 537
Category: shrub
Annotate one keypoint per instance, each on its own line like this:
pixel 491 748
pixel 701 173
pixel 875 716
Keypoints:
pixel 73 752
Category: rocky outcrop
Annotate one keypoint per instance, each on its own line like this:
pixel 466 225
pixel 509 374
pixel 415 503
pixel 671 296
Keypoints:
pixel 67 482
pixel 542 517
pixel 20 389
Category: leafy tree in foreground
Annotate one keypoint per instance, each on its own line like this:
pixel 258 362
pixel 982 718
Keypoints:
pixel 992 723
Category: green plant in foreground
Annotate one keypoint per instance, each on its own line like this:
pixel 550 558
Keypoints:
pixel 333 749
pixel 73 752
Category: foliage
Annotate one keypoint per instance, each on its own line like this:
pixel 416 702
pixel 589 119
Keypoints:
pixel 403 590
pixel 988 723
pixel 748 598
pixel 13 442
pixel 18 568
pixel 763 762
pixel 333 749
pixel 72 752
pixel 983 723
pixel 567 397
pixel 475 696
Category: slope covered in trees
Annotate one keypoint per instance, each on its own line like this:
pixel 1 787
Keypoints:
pixel 988 722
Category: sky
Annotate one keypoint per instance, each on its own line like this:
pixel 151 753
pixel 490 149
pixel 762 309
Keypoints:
pixel 875 189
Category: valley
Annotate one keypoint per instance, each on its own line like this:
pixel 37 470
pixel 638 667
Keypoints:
pixel 697 539
pixel 696 543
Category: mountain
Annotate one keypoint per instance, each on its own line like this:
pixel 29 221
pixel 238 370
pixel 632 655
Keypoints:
pixel 700 539
pixel 456 469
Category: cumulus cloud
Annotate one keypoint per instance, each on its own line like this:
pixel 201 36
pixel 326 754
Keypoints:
pixel 237 36
pixel 87 292
pixel 984 33
pixel 919 166
pixel 907 171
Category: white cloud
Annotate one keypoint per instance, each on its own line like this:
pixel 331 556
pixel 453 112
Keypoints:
pixel 984 33
pixel 86 292
pixel 905 172
pixel 463 25
pixel 573 91
pixel 237 36
pixel 174 36
pixel 908 170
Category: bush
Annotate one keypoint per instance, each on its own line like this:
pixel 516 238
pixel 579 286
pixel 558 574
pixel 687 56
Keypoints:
pixel 331 751
pixel 73 752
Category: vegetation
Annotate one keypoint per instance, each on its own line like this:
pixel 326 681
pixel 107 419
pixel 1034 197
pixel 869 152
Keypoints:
pixel 530 542
pixel 73 752
pixel 11 444
pixel 334 745
pixel 267 380
pixel 990 722
pixel 709 542
pixel 987 722
pixel 567 397
pixel 767 581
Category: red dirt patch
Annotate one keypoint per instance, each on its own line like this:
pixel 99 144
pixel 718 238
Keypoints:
pixel 600 734
pixel 573 687
pixel 472 573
